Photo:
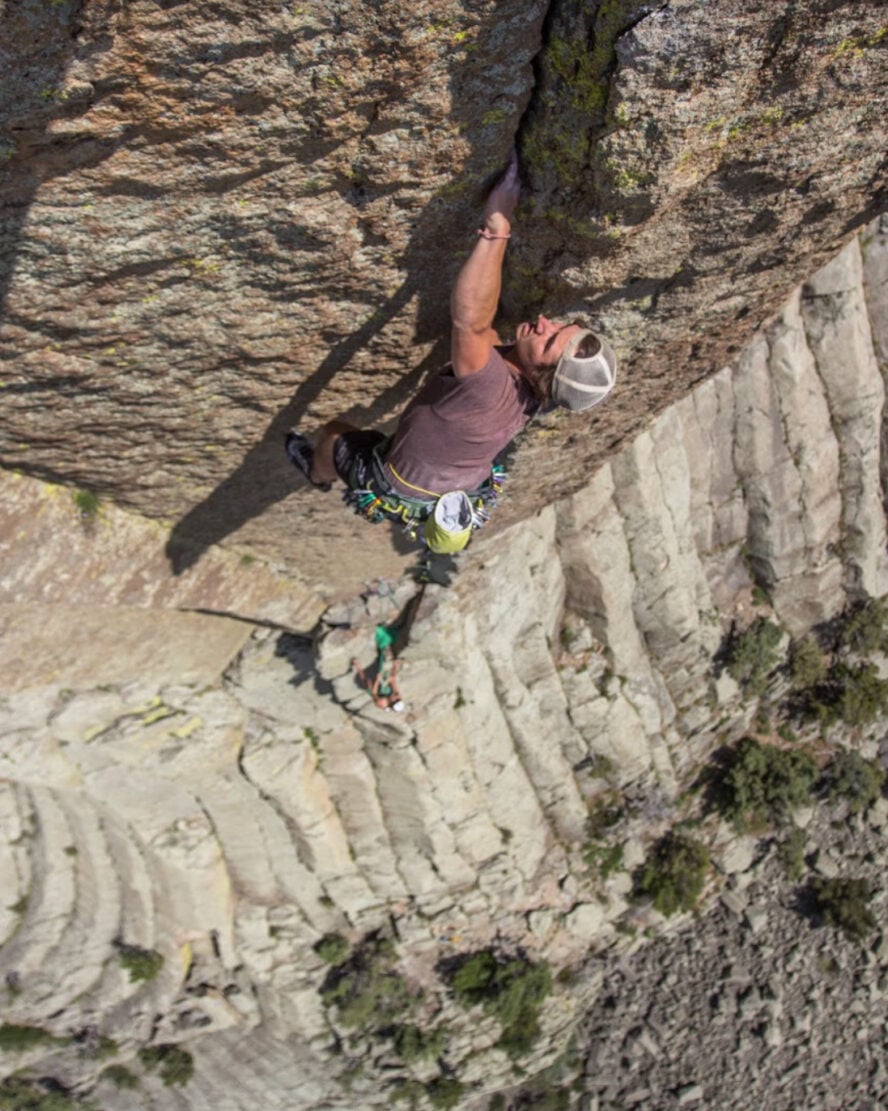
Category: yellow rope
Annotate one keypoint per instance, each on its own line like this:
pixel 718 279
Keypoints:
pixel 404 482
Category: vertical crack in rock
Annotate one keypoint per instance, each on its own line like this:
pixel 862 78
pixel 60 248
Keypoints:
pixel 568 109
pixel 836 325
pixel 306 891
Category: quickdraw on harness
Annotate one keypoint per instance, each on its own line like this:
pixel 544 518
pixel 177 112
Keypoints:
pixel 378 501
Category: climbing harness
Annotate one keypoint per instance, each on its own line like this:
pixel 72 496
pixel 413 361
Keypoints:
pixel 430 518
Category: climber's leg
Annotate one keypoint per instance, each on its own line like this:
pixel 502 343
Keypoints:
pixel 323 467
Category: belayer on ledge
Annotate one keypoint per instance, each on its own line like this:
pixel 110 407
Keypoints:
pixel 436 473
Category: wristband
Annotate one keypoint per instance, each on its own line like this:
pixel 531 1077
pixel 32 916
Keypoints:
pixel 485 234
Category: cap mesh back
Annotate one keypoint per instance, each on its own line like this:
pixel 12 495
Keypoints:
pixel 580 383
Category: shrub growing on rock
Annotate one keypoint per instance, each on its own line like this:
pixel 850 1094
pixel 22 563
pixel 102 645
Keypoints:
pixel 17 1037
pixel 752 655
pixel 332 948
pixel 807 664
pixel 791 852
pixel 864 628
pixel 852 693
pixel 675 872
pixel 603 858
pixel 512 989
pixel 856 780
pixel 87 504
pixel 141 964
pixel 366 990
pixel 762 784
pixel 862 695
pixel 844 903
pixel 121 1077
pixel 445 1092
pixel 18 1093
pixel 605 812
pixel 414 1044
pixel 176 1065
pixel 442 1091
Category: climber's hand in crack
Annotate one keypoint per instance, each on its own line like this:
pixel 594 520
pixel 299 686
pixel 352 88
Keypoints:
pixel 503 199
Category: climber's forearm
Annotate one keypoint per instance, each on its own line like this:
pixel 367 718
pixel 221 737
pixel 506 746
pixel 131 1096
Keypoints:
pixel 476 292
pixel 475 296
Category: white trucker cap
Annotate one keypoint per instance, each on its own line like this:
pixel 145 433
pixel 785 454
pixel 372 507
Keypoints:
pixel 580 383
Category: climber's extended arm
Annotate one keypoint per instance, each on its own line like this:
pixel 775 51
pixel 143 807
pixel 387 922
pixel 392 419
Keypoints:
pixel 475 295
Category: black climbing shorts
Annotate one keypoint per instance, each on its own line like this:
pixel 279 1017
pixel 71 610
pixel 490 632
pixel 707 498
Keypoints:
pixel 353 456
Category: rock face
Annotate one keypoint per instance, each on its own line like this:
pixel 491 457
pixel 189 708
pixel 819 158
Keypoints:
pixel 220 221
pixel 230 824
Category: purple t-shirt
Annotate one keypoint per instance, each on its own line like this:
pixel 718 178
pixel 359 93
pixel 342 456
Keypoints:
pixel 450 433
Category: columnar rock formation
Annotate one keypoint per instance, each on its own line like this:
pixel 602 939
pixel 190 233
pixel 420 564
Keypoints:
pixel 221 220
pixel 228 825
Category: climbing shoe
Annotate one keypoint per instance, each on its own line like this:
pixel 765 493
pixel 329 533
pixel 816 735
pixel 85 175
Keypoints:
pixel 301 455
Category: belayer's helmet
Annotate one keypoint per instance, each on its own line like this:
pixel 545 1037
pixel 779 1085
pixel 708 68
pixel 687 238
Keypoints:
pixel 585 373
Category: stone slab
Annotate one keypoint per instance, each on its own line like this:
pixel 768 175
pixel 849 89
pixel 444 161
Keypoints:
pixel 53 552
pixel 91 646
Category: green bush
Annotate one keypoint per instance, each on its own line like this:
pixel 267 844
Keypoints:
pixel 520 1036
pixel 15 1037
pixel 332 948
pixel 87 504
pixel 675 872
pixel 752 655
pixel 365 989
pixel 862 695
pixel 844 903
pixel 762 784
pixel 791 851
pixel 605 812
pixel 807 664
pixel 862 630
pixel 413 1044
pixel 856 780
pixel 851 693
pixel 121 1077
pixel 20 1094
pixel 445 1092
pixel 512 989
pixel 141 964
pixel 603 858
pixel 176 1065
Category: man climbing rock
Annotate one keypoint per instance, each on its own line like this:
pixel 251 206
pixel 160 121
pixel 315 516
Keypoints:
pixel 437 467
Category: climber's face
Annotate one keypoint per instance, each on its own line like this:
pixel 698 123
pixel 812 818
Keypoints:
pixel 541 343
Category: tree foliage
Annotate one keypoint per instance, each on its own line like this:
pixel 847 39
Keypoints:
pixel 675 872
pixel 763 784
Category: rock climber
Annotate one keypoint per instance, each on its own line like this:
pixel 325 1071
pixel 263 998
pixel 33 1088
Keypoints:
pixel 383 687
pixel 446 440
